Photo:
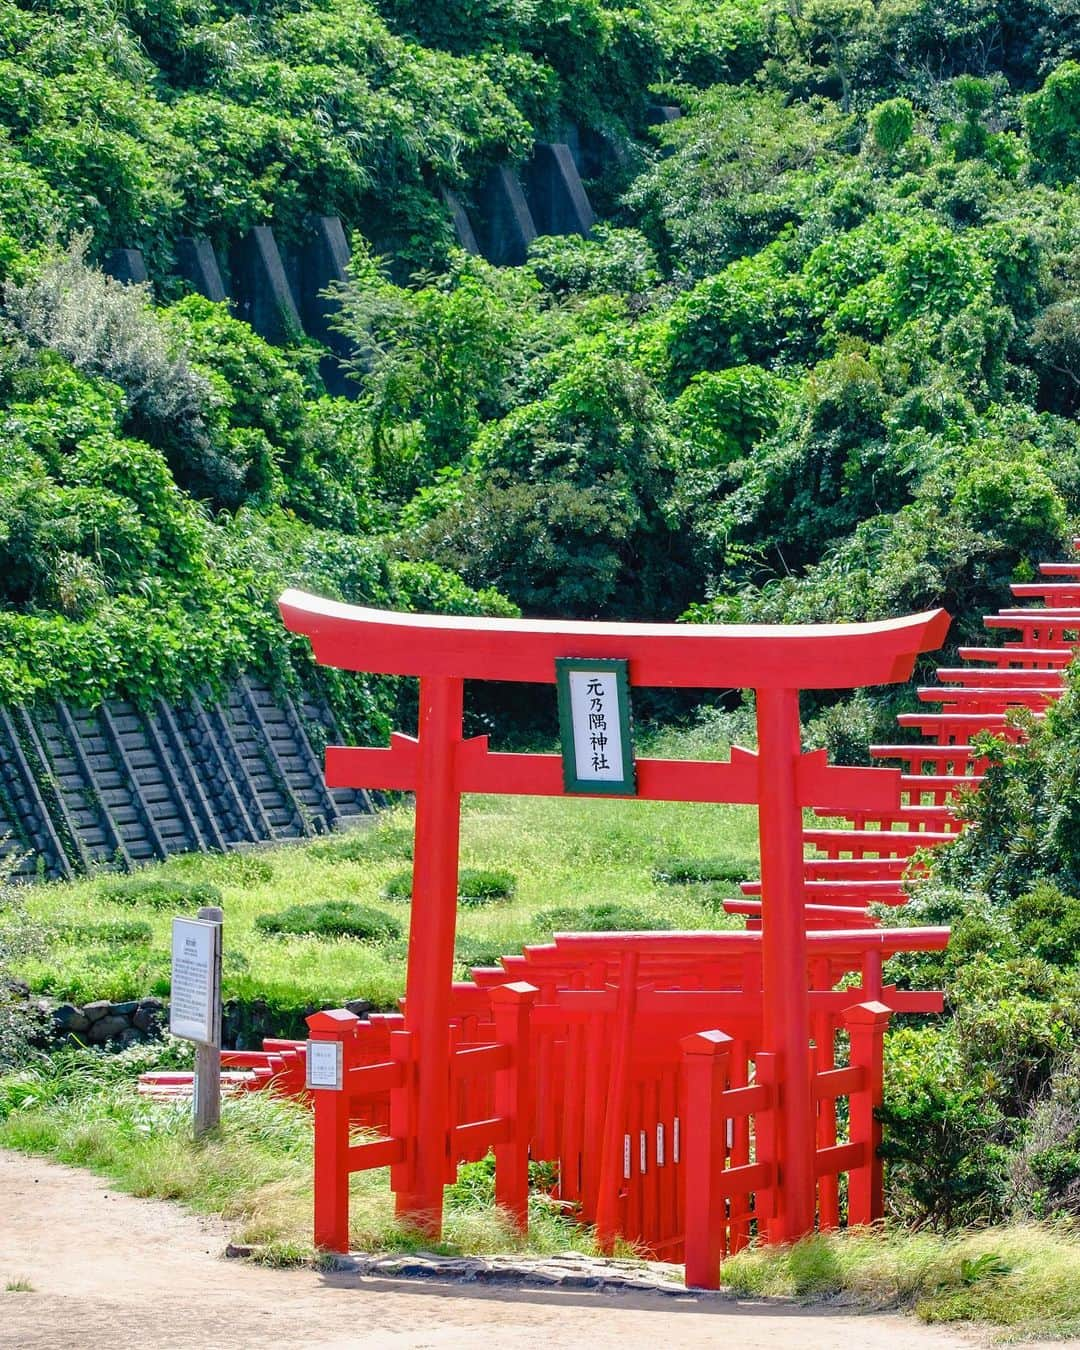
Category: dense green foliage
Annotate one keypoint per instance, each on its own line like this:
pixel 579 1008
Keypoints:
pixel 981 1108
pixel 163 474
pixel 821 361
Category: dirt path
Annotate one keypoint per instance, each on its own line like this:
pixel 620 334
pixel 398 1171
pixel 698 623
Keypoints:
pixel 109 1272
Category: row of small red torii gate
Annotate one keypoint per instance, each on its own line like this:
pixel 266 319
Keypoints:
pixel 686 1084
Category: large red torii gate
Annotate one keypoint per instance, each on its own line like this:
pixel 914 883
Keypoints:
pixel 776 661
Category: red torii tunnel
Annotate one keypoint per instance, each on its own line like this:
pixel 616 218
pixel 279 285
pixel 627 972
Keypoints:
pixel 439 765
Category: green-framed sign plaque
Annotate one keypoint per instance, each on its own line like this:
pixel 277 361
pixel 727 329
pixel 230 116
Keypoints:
pixel 595 726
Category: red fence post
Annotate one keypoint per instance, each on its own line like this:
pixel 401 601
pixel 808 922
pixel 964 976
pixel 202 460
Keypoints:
pixel 766 1074
pixel 511 1005
pixel 401 1120
pixel 431 944
pixel 332 1132
pixel 866 1024
pixel 786 1005
pixel 612 1167
pixel 705 1066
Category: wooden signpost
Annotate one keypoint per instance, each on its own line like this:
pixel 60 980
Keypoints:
pixel 195 1007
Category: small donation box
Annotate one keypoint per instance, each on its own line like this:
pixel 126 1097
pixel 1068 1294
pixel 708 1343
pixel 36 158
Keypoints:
pixel 595 726
pixel 195 1005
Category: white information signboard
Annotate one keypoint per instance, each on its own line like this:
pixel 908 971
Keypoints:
pixel 324 1063
pixel 195 1002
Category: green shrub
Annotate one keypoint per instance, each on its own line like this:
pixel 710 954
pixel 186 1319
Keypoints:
pixel 476 886
pixel 945 1164
pixel 891 124
pixel 1052 120
pixel 479 886
pixel 481 949
pixel 1047 924
pixel 330 919
pixel 110 932
pixel 687 871
pixel 1045 1171
pixel 724 413
pixel 159 892
pixel 605 917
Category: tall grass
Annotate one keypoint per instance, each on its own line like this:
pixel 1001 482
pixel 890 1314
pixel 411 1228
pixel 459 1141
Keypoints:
pixel 1022 1277
pixel 254 1172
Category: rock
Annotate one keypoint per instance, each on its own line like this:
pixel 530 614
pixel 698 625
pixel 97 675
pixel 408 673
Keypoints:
pixel 130 1037
pixel 97 1010
pixel 69 1018
pixel 124 1009
pixel 146 1019
pixel 105 1028
pixel 360 1006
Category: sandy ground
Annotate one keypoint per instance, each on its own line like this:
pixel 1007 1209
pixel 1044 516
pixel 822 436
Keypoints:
pixel 110 1271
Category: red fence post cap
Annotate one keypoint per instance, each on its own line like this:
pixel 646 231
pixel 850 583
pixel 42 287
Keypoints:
pixel 516 992
pixel 706 1043
pixel 868 1014
pixel 335 1021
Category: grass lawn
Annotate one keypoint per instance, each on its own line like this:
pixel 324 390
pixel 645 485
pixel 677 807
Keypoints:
pixel 562 853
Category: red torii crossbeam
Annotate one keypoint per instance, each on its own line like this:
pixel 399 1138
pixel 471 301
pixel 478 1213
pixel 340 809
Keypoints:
pixel 776 661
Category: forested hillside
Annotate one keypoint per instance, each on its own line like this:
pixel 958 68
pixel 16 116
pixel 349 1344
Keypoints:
pixel 820 360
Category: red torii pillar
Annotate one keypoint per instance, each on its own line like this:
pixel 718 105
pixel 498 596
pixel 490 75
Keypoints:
pixel 776 661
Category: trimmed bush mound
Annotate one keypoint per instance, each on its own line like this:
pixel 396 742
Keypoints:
pixel 111 932
pixel 476 886
pixel 482 949
pixel 688 871
pixel 160 892
pixel 331 918
pixel 367 845
pixel 601 918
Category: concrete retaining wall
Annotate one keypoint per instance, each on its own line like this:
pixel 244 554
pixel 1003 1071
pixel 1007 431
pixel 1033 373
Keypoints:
pixel 122 785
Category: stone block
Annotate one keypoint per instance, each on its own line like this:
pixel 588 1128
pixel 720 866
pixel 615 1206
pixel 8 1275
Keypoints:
pixel 263 296
pixel 126 265
pixel 323 260
pixel 593 152
pixel 97 1010
pixel 506 227
pixel 105 1028
pixel 146 1019
pixel 197 263
pixel 463 230
pixel 70 1018
pixel 556 194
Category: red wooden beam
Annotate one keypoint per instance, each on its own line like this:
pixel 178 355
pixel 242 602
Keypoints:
pixel 477 769
pixel 713 656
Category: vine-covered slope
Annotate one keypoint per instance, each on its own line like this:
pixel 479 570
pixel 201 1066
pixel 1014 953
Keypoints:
pixel 821 360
